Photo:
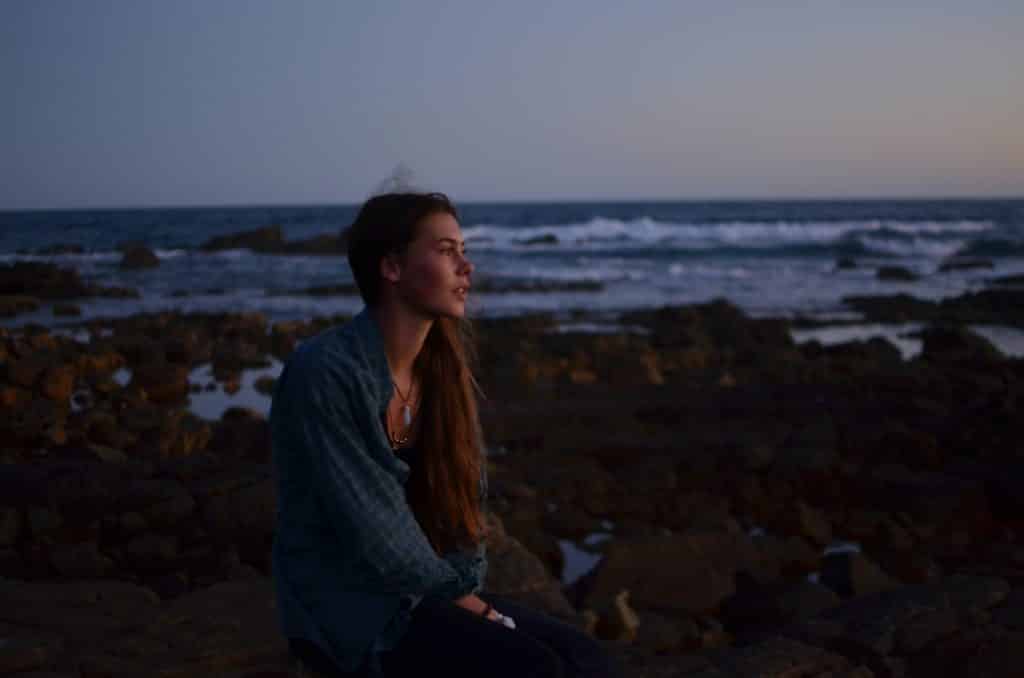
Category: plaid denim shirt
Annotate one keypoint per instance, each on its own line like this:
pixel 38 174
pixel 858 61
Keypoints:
pixel 350 561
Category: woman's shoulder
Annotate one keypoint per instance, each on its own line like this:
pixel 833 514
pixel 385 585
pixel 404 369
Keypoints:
pixel 329 362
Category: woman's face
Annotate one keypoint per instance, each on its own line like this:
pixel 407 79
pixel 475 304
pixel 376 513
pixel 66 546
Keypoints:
pixel 436 275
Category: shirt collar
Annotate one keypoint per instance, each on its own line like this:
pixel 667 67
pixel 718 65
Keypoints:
pixel 369 333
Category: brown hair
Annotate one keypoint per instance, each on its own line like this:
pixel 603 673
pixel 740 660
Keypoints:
pixel 444 493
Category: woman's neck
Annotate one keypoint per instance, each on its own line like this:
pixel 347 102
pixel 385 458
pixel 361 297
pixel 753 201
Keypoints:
pixel 404 335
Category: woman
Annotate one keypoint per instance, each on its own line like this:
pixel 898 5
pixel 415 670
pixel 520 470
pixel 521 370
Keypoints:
pixel 379 552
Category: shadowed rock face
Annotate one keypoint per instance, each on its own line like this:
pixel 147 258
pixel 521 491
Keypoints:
pixel 50 282
pixel 270 240
pixel 721 460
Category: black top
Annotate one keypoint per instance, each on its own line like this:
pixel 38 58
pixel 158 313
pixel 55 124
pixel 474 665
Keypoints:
pixel 407 453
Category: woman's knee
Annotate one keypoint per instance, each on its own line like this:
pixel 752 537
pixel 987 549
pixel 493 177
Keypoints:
pixel 543 663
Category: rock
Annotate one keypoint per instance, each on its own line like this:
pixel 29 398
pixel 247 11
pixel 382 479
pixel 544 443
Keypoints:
pixel 79 560
pixel 246 511
pixel 42 521
pixel 691 572
pixel 241 433
pixel 10 526
pixel 918 633
pixel 58 382
pixel 139 256
pixel 1010 613
pixel 811 447
pixel 113 628
pixel 23 653
pixel 813 524
pixel 264 239
pixel 265 385
pixel 163 383
pixel 896 273
pixel 151 552
pixel 14 304
pixel 778 657
pixel 805 600
pixel 947 344
pixel 45 281
pixel 1007 280
pixel 961 263
pixel 852 574
pixel 970 593
pixel 171 512
pixel 1000 659
pixel 617 620
pixel 66 310
pixel 661 634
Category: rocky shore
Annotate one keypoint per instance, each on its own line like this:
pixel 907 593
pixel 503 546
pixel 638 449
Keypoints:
pixel 751 506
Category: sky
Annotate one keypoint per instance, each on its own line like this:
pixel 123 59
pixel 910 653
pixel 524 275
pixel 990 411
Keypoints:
pixel 221 102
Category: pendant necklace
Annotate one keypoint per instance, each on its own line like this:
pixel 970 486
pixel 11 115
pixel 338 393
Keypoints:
pixel 406 417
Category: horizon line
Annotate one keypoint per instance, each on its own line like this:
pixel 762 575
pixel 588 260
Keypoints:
pixel 530 201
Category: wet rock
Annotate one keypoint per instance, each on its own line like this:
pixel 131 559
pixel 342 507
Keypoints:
pixel 812 446
pixel 66 310
pixel 163 383
pixel 617 621
pixel 241 433
pixel 24 653
pixel 961 263
pixel 852 574
pixel 690 573
pixel 48 281
pixel 519 573
pixel 150 552
pixel 1001 658
pixel 58 382
pixel 778 657
pixel 757 607
pixel 137 257
pixel 811 523
pixel 495 285
pixel 949 344
pixel 265 385
pixel 896 273
pixel 14 304
pixel 846 263
pixel 266 239
pixel 79 560
pixel 10 526
pixel 1008 280
pixel 342 290
pixel 42 280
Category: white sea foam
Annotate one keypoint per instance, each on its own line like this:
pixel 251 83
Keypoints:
pixel 703 271
pixel 915 247
pixel 603 233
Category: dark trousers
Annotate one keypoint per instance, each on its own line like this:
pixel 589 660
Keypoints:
pixel 449 640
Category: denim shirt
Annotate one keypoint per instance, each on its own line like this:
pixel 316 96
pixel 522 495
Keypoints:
pixel 350 561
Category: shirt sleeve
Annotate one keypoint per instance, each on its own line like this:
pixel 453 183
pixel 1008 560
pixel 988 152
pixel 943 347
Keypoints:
pixel 471 563
pixel 365 502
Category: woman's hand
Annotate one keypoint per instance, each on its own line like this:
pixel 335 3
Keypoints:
pixel 474 604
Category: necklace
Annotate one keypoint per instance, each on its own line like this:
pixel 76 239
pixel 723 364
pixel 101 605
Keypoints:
pixel 406 418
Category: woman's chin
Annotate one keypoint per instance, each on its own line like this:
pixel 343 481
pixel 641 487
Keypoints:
pixel 456 310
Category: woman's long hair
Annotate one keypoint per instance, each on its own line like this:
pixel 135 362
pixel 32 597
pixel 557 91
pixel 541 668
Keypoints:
pixel 444 494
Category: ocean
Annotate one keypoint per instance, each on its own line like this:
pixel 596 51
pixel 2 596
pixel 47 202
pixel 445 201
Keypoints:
pixel 768 257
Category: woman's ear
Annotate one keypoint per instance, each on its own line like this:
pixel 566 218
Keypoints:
pixel 391 267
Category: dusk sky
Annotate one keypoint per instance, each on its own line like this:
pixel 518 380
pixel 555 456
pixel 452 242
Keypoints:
pixel 140 103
